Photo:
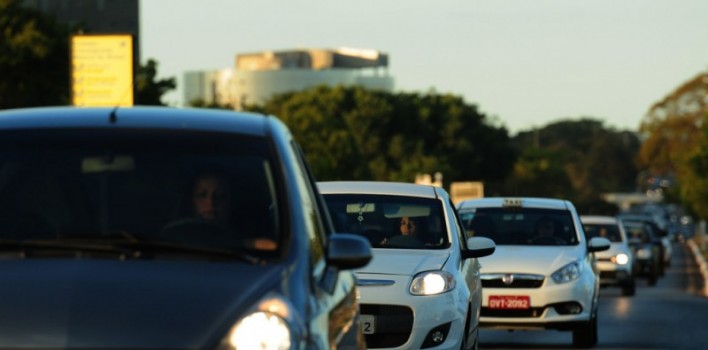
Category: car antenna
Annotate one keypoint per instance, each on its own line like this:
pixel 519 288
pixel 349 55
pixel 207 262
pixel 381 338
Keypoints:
pixel 112 117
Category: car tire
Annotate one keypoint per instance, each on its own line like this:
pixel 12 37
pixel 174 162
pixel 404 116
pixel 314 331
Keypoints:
pixel 651 280
pixel 465 331
pixel 629 289
pixel 585 336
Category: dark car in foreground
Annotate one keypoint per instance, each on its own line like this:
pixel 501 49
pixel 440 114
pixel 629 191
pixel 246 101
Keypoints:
pixel 102 246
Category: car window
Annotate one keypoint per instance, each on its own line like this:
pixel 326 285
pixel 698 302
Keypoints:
pixel 316 222
pixel 390 221
pixel 520 226
pixel 608 231
pixel 211 192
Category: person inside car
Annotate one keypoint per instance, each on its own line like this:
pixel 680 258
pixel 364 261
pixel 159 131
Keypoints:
pixel 545 233
pixel 407 237
pixel 211 197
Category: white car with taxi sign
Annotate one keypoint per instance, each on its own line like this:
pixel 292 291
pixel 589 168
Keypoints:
pixel 542 274
pixel 422 288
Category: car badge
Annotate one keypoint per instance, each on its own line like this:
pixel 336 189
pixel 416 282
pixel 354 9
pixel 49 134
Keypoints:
pixel 508 279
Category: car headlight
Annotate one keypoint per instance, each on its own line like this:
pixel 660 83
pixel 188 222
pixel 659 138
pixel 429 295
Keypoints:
pixel 620 258
pixel 567 273
pixel 644 253
pixel 432 282
pixel 261 330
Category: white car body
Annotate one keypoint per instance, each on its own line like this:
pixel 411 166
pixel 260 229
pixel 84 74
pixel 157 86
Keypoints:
pixel 615 264
pixel 393 317
pixel 520 290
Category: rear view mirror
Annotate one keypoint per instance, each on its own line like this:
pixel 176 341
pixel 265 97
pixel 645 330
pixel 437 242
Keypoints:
pixel 107 164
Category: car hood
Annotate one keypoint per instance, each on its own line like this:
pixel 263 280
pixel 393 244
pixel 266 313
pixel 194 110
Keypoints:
pixel 124 304
pixel 542 260
pixel 404 262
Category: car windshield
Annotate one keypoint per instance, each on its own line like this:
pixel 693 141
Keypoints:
pixel 390 221
pixel 608 231
pixel 637 233
pixel 201 191
pixel 520 226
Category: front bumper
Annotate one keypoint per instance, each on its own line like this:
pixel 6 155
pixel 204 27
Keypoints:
pixel 613 274
pixel 552 306
pixel 405 321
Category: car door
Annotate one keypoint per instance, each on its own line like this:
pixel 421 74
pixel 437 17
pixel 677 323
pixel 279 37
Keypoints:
pixel 334 302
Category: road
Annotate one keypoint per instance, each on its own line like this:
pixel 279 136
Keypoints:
pixel 670 315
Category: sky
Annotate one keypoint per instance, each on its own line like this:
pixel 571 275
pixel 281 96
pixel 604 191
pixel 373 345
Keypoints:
pixel 523 63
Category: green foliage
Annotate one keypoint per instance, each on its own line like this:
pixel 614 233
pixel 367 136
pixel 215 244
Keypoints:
pixel 34 58
pixel 355 134
pixel 149 91
pixel 676 140
pixel 577 160
pixel 200 103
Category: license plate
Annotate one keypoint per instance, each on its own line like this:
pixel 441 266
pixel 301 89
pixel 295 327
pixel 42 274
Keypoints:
pixel 521 302
pixel 368 324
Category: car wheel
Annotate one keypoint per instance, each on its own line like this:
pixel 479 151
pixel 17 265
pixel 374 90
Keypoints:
pixel 629 288
pixel 465 335
pixel 585 336
pixel 652 279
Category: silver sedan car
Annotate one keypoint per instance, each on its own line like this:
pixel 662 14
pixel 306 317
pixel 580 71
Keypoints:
pixel 422 288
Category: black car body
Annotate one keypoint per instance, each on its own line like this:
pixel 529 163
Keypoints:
pixel 647 254
pixel 96 252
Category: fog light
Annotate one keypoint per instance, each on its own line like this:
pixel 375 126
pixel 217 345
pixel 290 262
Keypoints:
pixel 570 308
pixel 436 336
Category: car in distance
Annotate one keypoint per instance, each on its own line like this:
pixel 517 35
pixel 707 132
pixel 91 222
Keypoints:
pixel 542 274
pixel 422 288
pixel 648 257
pixel 103 245
pixel 615 264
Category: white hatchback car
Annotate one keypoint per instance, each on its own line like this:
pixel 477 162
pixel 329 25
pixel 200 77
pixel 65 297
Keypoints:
pixel 422 288
pixel 542 275
pixel 615 264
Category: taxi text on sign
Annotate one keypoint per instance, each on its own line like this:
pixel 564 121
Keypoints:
pixel 102 70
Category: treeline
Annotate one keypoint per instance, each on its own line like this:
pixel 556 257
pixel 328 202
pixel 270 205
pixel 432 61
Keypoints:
pixel 357 134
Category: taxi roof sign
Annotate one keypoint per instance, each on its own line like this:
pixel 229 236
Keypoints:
pixel 512 203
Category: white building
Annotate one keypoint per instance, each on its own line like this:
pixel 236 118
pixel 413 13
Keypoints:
pixel 259 76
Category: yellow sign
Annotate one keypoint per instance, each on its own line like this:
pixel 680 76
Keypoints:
pixel 102 70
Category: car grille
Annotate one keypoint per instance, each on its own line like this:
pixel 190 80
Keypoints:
pixel 532 312
pixel 394 325
pixel 517 280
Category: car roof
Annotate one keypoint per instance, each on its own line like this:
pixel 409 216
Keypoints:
pixel 378 187
pixel 142 117
pixel 523 202
pixel 598 219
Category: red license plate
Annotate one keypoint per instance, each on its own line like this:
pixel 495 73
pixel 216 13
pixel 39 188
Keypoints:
pixel 521 302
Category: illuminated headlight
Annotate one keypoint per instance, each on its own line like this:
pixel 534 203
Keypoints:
pixel 432 282
pixel 620 258
pixel 644 253
pixel 260 330
pixel 567 273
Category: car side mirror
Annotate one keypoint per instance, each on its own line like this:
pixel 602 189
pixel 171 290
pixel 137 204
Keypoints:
pixel 598 244
pixel 478 247
pixel 348 251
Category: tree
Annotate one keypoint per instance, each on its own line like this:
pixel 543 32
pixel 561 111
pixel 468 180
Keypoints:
pixel 675 141
pixel 149 91
pixel 200 103
pixel 34 58
pixel 577 160
pixel 357 134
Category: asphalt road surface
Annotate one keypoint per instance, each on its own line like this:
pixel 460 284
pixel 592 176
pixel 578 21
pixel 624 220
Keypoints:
pixel 671 315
